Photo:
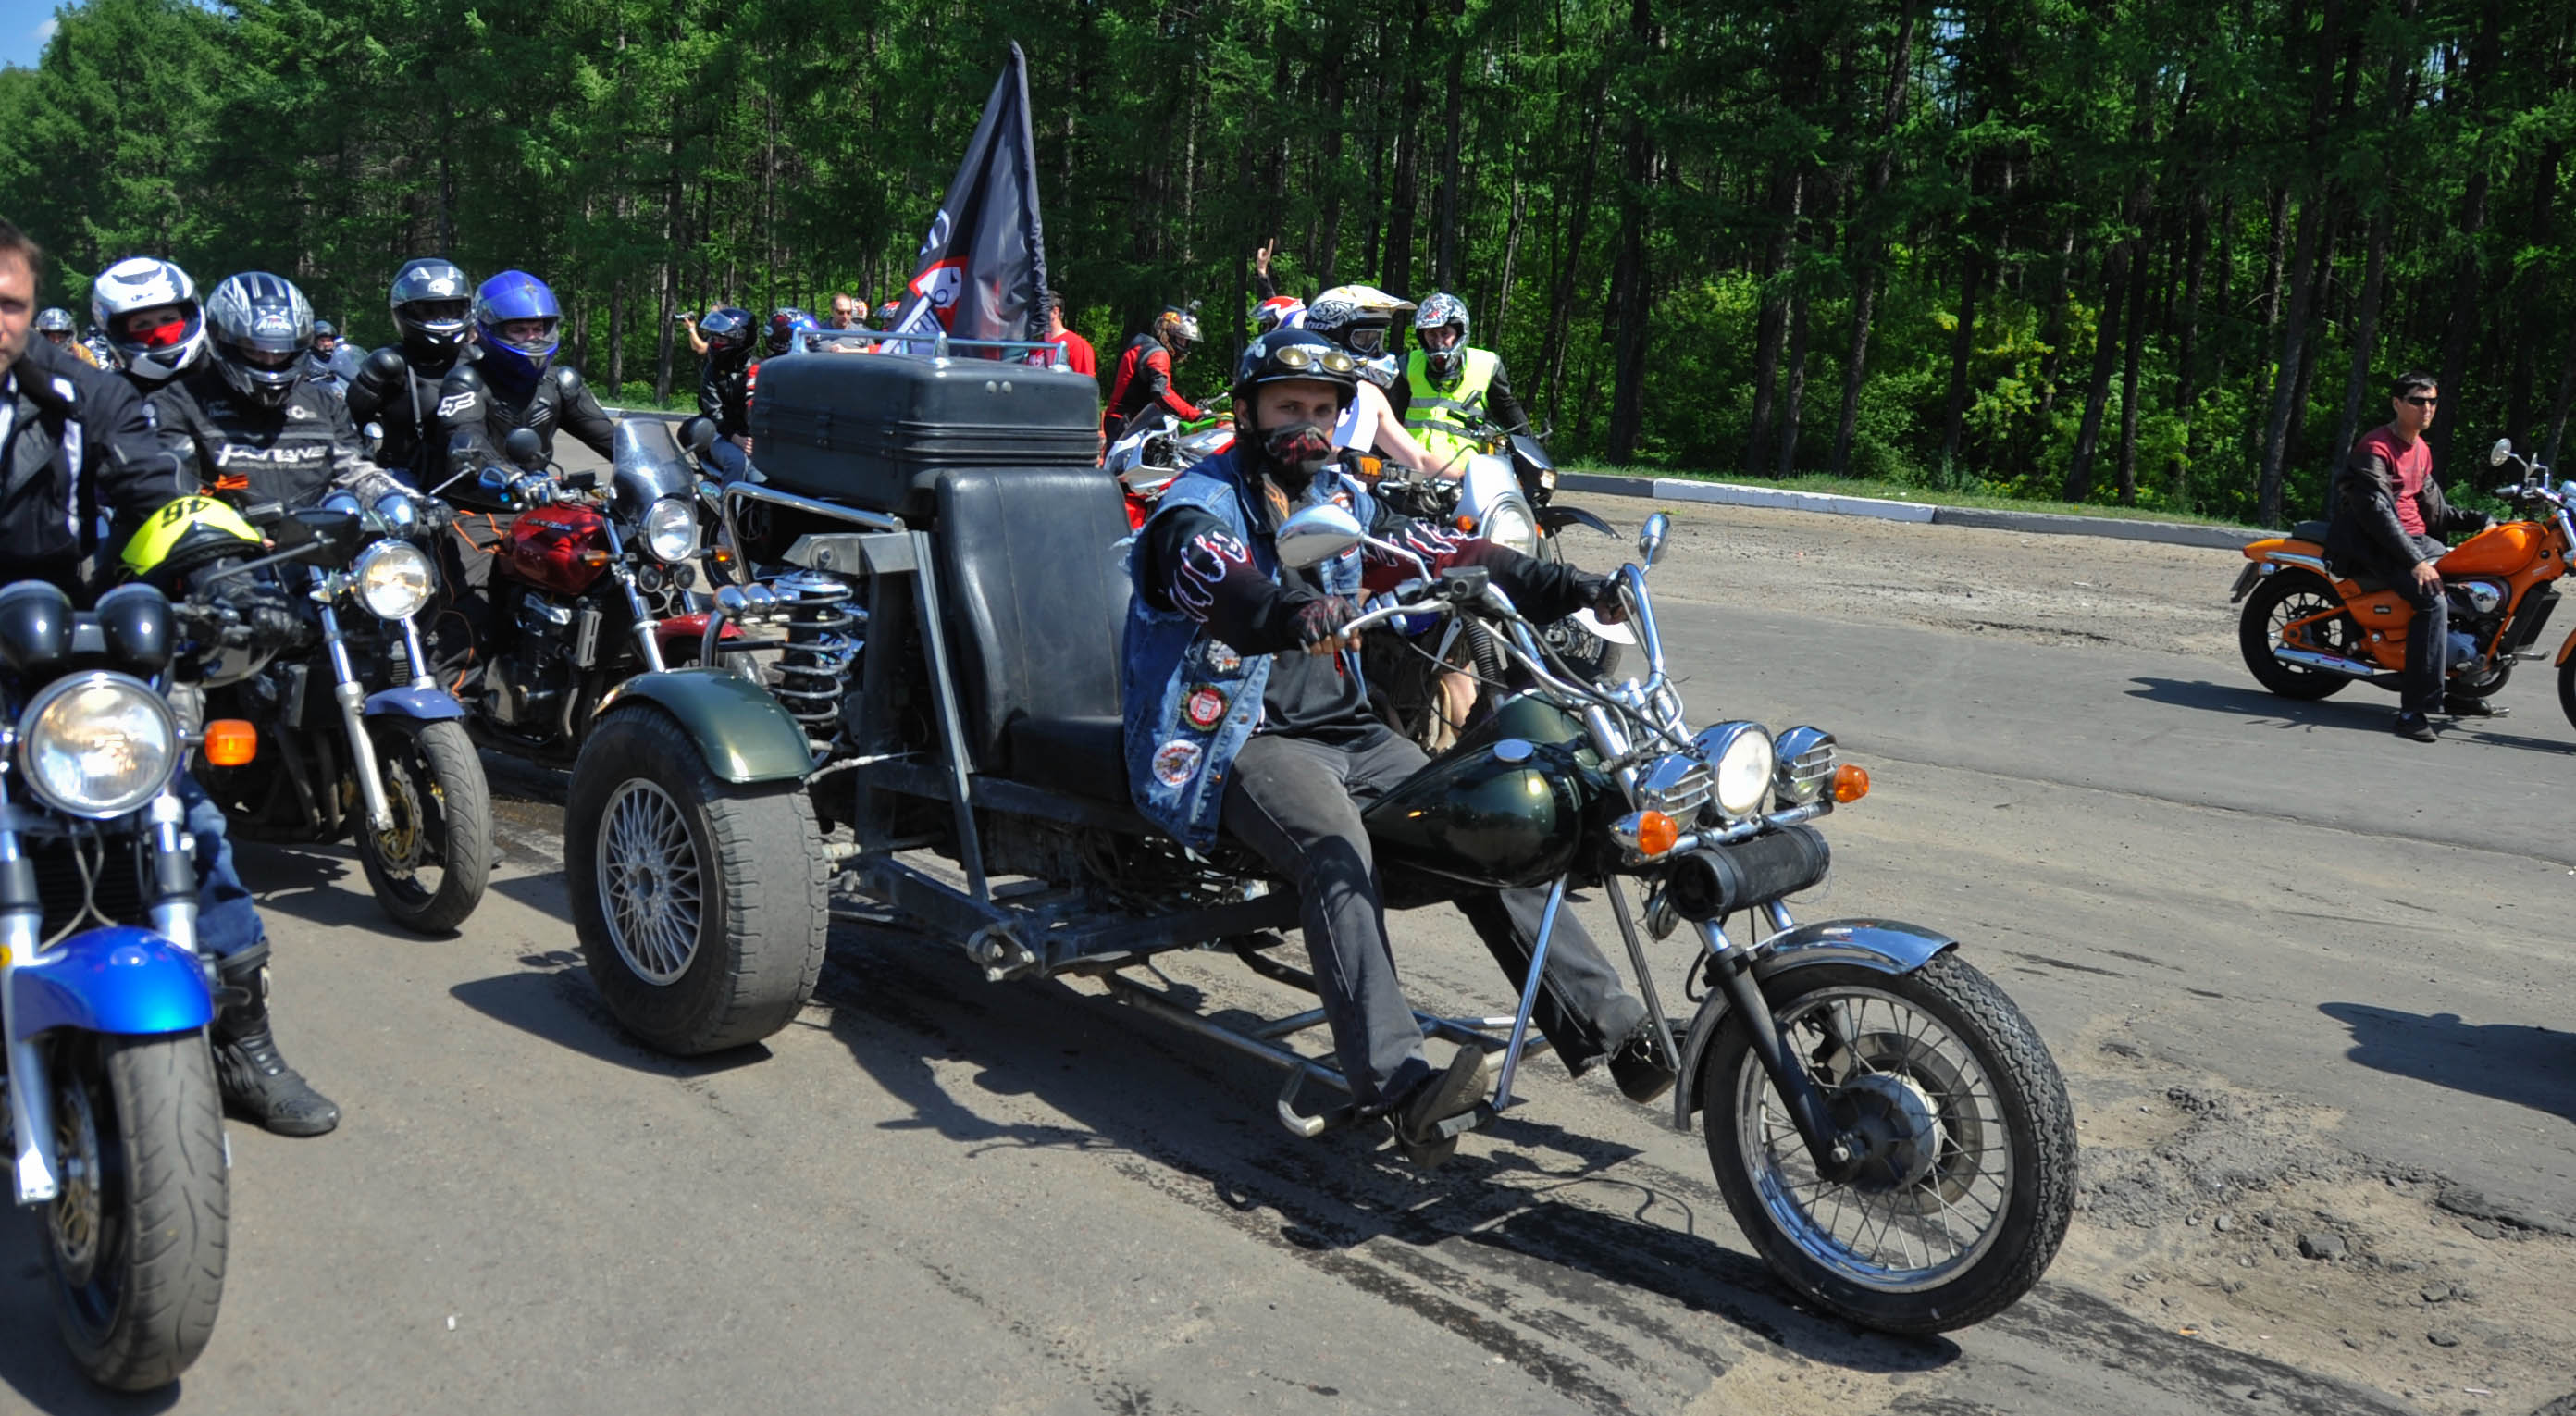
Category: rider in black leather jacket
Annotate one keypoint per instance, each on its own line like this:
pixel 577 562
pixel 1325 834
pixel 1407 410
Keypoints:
pixel 397 388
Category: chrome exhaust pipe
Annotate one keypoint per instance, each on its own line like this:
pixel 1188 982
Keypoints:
pixel 2327 663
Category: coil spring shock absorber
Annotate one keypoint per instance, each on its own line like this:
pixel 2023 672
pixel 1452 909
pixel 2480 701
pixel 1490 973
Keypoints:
pixel 814 668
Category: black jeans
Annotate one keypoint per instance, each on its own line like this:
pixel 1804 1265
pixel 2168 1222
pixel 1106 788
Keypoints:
pixel 1297 802
pixel 2428 639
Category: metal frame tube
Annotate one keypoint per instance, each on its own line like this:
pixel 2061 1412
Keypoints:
pixel 1529 994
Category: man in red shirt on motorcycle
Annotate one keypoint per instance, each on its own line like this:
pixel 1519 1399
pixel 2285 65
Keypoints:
pixel 2388 519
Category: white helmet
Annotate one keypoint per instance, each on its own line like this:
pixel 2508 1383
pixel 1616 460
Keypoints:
pixel 1356 317
pixel 166 350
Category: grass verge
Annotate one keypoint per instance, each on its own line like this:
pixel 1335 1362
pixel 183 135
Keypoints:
pixel 1919 496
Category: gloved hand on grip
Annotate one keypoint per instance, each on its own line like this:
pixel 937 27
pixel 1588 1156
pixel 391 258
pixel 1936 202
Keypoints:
pixel 1320 624
pixel 267 615
pixel 1601 596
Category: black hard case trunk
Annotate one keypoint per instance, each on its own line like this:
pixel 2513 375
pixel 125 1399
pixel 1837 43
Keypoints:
pixel 875 430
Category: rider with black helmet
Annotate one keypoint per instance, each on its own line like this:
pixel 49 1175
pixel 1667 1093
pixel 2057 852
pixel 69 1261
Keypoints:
pixel 1246 713
pixel 397 387
pixel 724 387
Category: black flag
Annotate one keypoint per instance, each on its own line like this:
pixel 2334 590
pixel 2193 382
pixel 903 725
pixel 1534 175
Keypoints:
pixel 983 265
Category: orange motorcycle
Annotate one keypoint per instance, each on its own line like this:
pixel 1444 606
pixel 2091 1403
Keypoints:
pixel 2308 631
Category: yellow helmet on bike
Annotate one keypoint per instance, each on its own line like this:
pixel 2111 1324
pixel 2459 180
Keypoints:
pixel 185 535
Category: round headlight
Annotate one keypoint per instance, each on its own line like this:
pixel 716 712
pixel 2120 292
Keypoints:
pixel 1807 763
pixel 395 579
pixel 1508 525
pixel 1743 758
pixel 98 745
pixel 670 529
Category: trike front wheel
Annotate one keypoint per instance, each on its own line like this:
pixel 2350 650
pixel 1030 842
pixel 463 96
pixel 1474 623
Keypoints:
pixel 1966 1180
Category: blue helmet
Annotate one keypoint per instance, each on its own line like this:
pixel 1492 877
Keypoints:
pixel 511 296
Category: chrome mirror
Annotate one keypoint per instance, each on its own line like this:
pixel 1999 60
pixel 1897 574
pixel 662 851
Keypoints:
pixel 2497 454
pixel 1317 534
pixel 1650 541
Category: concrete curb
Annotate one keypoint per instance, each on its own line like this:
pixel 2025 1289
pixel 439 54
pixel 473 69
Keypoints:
pixel 2171 533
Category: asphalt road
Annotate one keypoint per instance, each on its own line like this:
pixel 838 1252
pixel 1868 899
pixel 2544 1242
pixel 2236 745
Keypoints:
pixel 936 1194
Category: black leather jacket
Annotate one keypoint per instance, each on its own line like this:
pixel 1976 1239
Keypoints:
pixel 399 393
pixel 79 466
pixel 2362 530
pixel 724 394
pixel 287 455
pixel 473 417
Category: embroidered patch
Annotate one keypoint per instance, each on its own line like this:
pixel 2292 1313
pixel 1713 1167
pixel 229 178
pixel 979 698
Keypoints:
pixel 1174 762
pixel 454 404
pixel 1220 657
pixel 1205 709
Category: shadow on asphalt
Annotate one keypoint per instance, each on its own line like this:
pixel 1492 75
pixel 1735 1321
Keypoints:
pixel 552 1000
pixel 33 1365
pixel 2510 1062
pixel 1109 1080
pixel 2361 710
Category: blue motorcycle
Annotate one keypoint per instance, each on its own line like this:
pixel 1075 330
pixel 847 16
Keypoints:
pixel 115 1126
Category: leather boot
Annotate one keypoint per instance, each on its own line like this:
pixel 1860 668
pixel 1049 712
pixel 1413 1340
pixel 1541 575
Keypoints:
pixel 256 1081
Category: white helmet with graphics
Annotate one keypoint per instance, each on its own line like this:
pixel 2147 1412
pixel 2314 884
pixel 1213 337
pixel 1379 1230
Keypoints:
pixel 149 310
pixel 1356 317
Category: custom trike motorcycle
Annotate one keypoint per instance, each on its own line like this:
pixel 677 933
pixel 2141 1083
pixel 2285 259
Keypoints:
pixel 1887 1128
pixel 2309 629
pixel 115 1126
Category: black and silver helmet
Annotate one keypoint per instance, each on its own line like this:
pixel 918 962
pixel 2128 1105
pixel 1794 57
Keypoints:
pixel 433 304
pixel 259 325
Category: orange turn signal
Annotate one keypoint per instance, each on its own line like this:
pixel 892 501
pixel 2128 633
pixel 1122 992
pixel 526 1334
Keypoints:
pixel 231 742
pixel 1656 833
pixel 1467 524
pixel 1850 783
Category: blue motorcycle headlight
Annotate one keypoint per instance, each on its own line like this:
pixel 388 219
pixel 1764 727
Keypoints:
pixel 97 745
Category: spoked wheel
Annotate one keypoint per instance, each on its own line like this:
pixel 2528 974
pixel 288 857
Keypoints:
pixel 430 869
pixel 1966 1179
pixel 702 905
pixel 137 1235
pixel 2283 600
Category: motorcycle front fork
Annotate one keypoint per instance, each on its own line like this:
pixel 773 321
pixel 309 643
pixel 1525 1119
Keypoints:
pixel 35 1167
pixel 351 695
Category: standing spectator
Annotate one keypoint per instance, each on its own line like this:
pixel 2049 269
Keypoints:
pixel 1079 356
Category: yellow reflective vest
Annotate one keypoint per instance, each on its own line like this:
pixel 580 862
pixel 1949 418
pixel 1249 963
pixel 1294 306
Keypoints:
pixel 1433 414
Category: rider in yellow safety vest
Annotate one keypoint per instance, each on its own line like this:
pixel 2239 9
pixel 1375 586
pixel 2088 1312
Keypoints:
pixel 1445 381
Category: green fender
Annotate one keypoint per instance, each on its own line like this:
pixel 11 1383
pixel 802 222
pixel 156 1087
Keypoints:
pixel 742 732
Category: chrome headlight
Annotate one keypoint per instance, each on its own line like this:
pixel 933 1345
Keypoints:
pixel 1676 785
pixel 1508 525
pixel 1743 758
pixel 1807 762
pixel 670 529
pixel 98 745
pixel 394 579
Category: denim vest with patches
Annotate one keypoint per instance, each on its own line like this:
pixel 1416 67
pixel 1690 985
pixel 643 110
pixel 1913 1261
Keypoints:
pixel 1191 700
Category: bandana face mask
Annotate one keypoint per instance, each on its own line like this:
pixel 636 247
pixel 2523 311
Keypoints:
pixel 1297 452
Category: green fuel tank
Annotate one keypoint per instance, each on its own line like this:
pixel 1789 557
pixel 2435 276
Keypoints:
pixel 1512 806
